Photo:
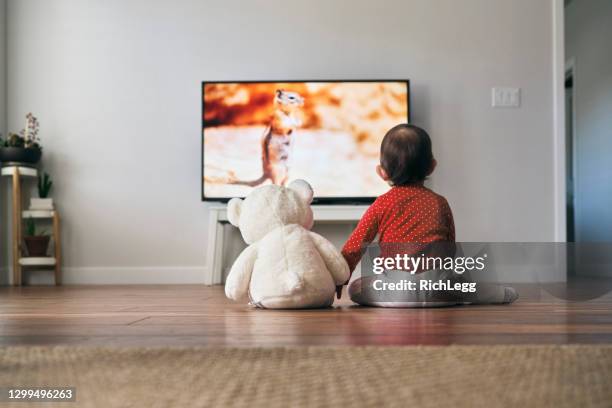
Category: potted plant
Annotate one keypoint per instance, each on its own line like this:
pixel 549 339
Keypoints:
pixel 36 243
pixel 44 187
pixel 23 148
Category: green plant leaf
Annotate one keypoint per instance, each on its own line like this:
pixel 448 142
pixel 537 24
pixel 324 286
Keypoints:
pixel 30 228
pixel 44 185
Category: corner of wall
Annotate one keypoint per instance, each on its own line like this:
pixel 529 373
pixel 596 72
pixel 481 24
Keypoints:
pixel 558 76
pixel 4 274
pixel 3 67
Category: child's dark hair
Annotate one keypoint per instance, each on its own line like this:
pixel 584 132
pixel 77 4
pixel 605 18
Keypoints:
pixel 405 154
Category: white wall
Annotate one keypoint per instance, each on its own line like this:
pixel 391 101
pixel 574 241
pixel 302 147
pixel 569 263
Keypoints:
pixel 116 86
pixel 3 67
pixel 588 25
pixel 4 243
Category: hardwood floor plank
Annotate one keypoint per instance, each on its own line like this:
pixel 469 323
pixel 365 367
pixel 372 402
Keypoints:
pixel 188 315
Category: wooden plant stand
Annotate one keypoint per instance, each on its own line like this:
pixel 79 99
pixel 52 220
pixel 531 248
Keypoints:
pixel 20 261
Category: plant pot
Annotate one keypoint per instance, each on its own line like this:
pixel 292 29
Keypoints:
pixel 41 204
pixel 37 245
pixel 19 155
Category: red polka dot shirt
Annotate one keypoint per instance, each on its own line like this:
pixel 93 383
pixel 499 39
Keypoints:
pixel 404 214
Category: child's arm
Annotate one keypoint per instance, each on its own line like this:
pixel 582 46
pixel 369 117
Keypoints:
pixel 239 277
pixel 366 231
pixel 364 234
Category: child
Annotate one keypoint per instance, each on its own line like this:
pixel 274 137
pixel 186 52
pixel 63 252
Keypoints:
pixel 410 213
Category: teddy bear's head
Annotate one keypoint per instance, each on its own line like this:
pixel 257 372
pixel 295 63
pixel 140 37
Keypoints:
pixel 269 207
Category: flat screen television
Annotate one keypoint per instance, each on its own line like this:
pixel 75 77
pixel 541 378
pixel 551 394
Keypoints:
pixel 325 132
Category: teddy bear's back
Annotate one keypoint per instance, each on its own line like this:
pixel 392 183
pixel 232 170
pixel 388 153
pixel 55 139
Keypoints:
pixel 289 268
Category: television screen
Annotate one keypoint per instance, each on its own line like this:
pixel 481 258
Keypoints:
pixel 325 132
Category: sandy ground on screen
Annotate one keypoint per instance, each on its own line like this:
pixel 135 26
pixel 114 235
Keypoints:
pixel 330 161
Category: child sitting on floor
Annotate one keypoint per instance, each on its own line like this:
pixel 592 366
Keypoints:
pixel 410 213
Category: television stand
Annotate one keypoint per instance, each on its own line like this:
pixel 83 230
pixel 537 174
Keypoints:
pixel 217 216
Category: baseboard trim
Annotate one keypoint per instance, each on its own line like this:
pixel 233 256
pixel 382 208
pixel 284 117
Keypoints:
pixel 600 272
pixel 121 275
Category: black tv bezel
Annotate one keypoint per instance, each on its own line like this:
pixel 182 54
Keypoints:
pixel 316 200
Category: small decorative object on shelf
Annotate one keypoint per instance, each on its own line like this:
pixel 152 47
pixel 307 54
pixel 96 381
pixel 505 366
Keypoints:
pixel 37 243
pixel 22 149
pixel 44 202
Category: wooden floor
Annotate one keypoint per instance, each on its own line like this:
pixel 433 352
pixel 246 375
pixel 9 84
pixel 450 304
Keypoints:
pixel 199 315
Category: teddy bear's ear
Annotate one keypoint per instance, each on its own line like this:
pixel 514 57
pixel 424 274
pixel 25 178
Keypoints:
pixel 233 211
pixel 303 189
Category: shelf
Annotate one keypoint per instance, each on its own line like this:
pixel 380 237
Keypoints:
pixel 23 171
pixel 18 174
pixel 38 213
pixel 37 261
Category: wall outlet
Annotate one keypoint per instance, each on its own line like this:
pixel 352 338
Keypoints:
pixel 505 97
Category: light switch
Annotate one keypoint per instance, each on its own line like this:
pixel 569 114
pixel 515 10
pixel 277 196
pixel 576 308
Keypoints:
pixel 505 97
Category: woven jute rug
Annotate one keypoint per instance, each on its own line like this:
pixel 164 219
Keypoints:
pixel 457 376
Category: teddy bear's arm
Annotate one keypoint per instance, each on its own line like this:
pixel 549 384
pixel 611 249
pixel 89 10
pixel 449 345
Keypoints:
pixel 333 259
pixel 239 277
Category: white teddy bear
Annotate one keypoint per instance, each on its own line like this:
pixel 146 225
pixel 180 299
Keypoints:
pixel 285 266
